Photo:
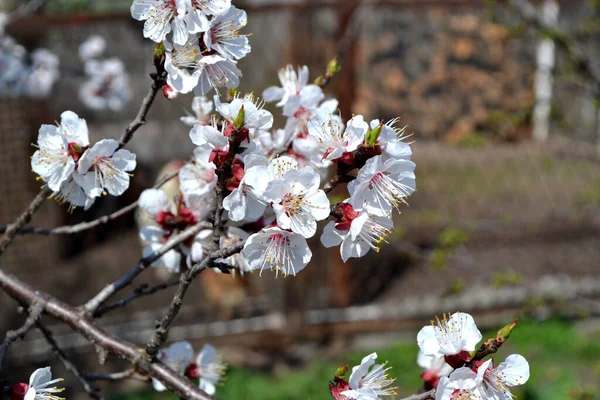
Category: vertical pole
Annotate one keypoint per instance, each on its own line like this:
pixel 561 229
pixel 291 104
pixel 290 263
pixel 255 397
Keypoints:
pixel 543 76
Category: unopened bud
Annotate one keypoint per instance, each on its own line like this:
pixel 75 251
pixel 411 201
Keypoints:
pixel 341 372
pixel 333 67
pixel 240 120
pixel 373 135
pixel 169 92
pixel 505 332
pixel 159 50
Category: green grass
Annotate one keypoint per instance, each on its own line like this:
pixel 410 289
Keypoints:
pixel 564 365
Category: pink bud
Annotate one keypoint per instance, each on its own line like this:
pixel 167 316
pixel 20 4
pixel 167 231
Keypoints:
pixel 169 92
pixel 18 391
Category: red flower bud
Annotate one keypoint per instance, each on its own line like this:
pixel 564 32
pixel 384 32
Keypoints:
pixel 169 92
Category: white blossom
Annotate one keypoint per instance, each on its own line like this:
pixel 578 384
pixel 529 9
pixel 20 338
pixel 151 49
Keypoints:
pixel 43 73
pixel 162 17
pixel 92 47
pixel 449 336
pixel 334 139
pixel 382 184
pixel 59 148
pixel 276 249
pixel 358 233
pixel 292 83
pixel 198 11
pixel 245 201
pixel 198 176
pixel 107 87
pixel 39 387
pixel 298 202
pixel 177 357
pixel 462 384
pixel 224 37
pixel 495 383
pixel 235 235
pixel 202 108
pixel 255 117
pixel 368 380
pixel 210 368
pixel 217 71
pixel 391 139
pixel 105 167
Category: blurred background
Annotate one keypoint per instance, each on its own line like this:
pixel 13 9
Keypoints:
pixel 505 221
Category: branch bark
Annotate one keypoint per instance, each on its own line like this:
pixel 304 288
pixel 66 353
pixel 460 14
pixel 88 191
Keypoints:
pixel 79 322
pixel 84 226
pixel 162 327
pixel 140 118
pixel 141 291
pixel 35 310
pixel 24 218
pixel 60 354
pixel 144 263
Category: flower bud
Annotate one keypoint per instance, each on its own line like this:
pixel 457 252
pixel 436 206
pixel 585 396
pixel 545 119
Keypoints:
pixel 333 67
pixel 159 50
pixel 169 92
pixel 505 332
pixel 341 372
pixel 239 121
pixel 373 135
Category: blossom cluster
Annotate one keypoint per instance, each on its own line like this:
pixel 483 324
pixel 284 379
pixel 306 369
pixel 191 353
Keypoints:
pixel 75 171
pixel 448 354
pixel 22 73
pixel 107 85
pixel 201 40
pixel 273 181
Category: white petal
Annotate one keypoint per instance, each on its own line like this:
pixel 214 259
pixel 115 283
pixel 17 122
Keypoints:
pixel 428 342
pixel 154 201
pixel 514 370
pixel 332 237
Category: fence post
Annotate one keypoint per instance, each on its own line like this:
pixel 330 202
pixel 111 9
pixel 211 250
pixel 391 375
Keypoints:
pixel 543 76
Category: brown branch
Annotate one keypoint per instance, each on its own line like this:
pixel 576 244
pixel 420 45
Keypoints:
pixel 162 327
pixel 83 226
pixel 24 218
pixel 140 291
pixel 35 310
pixel 68 364
pixel 125 280
pixel 140 118
pixel 79 322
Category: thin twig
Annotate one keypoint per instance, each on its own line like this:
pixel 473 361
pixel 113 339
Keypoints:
pixel 35 310
pixel 140 291
pixel 140 118
pixel 24 218
pixel 144 263
pixel 83 226
pixel 60 354
pixel 162 327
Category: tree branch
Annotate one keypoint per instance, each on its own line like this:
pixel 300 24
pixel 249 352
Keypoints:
pixel 79 322
pixel 162 327
pixel 35 310
pixel 60 354
pixel 83 226
pixel 140 291
pixel 140 118
pixel 24 218
pixel 144 263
